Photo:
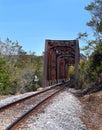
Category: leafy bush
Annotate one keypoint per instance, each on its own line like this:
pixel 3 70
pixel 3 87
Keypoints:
pixel 5 84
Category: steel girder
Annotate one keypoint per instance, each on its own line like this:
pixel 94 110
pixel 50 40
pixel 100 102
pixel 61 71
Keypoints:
pixel 58 55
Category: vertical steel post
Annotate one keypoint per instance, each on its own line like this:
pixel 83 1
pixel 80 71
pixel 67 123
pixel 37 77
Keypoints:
pixel 76 63
pixel 45 65
pixel 57 67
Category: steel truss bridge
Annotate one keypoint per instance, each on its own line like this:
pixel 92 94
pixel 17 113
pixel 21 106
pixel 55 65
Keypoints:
pixel 58 56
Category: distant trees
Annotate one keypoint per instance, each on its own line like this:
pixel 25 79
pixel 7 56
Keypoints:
pixel 18 69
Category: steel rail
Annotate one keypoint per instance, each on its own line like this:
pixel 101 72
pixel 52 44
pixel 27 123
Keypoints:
pixel 28 97
pixel 25 115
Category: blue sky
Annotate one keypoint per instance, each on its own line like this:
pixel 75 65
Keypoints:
pixel 30 22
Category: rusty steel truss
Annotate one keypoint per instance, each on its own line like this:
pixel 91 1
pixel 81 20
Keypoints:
pixel 58 56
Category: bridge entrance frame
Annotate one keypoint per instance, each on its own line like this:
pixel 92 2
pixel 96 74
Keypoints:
pixel 58 56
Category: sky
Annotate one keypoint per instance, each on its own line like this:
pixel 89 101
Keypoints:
pixel 31 22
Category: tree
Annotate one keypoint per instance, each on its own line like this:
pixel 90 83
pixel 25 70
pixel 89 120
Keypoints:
pixel 94 46
pixel 95 9
pixel 5 83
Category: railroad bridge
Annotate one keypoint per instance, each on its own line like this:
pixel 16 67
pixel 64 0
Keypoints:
pixel 58 56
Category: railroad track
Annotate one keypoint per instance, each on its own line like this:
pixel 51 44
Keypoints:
pixel 12 114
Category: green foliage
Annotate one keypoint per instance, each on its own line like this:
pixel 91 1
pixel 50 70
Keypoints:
pixel 18 69
pixel 83 73
pixel 95 23
pixel 27 67
pixel 91 69
pixel 71 72
pixel 96 60
pixel 3 74
pixel 5 84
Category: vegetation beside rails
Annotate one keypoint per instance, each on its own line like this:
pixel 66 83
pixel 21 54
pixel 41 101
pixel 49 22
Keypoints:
pixel 18 69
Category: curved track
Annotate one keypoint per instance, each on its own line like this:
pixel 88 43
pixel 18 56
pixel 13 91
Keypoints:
pixel 12 113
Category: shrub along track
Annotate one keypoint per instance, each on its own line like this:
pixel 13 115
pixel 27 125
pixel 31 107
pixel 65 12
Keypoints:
pixel 15 112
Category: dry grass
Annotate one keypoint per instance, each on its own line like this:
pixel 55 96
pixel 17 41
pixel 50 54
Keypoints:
pixel 92 106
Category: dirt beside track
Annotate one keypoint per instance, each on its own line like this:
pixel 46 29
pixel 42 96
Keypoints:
pixel 92 107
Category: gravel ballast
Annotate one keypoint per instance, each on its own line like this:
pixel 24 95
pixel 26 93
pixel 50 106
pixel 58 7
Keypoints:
pixel 63 113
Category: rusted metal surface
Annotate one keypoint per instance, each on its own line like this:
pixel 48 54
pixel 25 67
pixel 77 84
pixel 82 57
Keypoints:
pixel 59 55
